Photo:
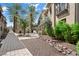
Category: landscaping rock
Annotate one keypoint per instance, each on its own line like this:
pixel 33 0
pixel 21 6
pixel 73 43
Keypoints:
pixel 50 44
pixel 73 53
pixel 67 52
pixel 44 39
pixel 64 52
pixel 53 43
pixel 56 47
pixel 60 46
pixel 64 47
pixel 48 40
pixel 60 50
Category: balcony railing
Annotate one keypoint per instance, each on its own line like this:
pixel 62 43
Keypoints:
pixel 61 8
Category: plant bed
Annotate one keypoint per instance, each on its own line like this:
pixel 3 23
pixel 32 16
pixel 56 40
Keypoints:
pixel 63 47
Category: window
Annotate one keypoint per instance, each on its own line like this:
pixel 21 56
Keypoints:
pixel 50 9
pixel 60 7
pixel 57 8
pixel 64 20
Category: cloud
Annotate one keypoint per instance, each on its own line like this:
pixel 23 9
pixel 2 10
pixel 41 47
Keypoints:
pixel 4 8
pixel 44 8
pixel 36 5
pixel 9 24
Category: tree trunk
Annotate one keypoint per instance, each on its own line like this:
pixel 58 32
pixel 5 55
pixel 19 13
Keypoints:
pixel 24 31
pixel 15 22
pixel 30 30
pixel 15 25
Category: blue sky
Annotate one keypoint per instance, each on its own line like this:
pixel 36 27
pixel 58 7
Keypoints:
pixel 39 7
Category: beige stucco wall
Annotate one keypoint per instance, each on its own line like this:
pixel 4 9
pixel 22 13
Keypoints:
pixel 2 24
pixel 0 27
pixel 70 17
pixel 77 12
pixel 53 15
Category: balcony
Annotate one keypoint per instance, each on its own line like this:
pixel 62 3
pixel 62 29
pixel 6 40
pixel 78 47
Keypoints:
pixel 61 8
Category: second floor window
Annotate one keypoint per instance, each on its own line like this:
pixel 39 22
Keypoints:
pixel 50 9
pixel 61 7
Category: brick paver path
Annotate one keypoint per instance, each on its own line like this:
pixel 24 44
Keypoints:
pixel 12 46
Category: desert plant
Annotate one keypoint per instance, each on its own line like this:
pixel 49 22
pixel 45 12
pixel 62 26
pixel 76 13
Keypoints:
pixel 58 30
pixel 77 48
pixel 14 13
pixel 75 33
pixel 67 33
pixel 49 28
pixel 32 14
pixel 62 31
pixel 24 24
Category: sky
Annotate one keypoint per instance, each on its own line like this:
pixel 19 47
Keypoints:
pixel 5 6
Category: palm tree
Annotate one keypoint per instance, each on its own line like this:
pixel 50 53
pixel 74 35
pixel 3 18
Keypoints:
pixel 14 12
pixel 30 11
pixel 24 24
pixel 32 15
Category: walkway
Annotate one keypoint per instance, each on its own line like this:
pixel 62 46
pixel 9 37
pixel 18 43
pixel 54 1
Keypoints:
pixel 38 47
pixel 12 46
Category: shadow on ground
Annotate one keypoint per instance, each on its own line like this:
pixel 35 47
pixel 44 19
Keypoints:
pixel 10 43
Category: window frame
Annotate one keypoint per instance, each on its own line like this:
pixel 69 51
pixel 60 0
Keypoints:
pixel 59 9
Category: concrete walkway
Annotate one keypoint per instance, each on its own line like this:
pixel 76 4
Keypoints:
pixel 31 36
pixel 12 46
pixel 38 47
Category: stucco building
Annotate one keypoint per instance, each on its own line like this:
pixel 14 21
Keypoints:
pixel 68 12
pixel 41 22
pixel 3 23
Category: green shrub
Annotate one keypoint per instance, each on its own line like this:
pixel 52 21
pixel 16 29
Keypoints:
pixel 44 32
pixel 49 28
pixel 62 31
pixel 49 31
pixel 67 33
pixel 77 48
pixel 59 30
pixel 75 33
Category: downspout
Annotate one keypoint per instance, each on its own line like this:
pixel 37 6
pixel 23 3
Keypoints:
pixel 54 16
pixel 75 13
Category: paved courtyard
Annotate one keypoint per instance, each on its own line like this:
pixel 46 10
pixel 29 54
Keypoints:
pixel 12 46
pixel 38 47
